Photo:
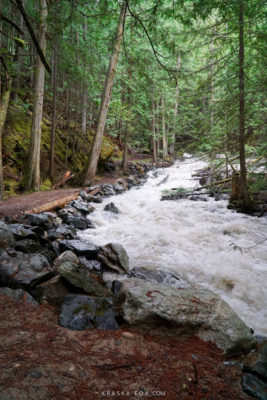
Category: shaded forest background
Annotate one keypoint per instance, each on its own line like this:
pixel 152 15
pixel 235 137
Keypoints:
pixel 190 77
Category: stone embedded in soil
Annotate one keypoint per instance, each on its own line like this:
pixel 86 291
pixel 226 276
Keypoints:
pixel 52 291
pixel 19 270
pixel 114 257
pixel 79 312
pixel 6 236
pixel 18 294
pixel 158 276
pixel 79 276
pixel 80 247
pixel 254 386
pixel 256 362
pixel 191 310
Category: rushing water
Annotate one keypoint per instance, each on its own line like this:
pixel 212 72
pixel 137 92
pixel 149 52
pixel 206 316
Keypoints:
pixel 191 238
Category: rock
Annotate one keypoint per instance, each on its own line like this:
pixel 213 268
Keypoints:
pixel 118 187
pixel 18 294
pixel 256 362
pixel 81 277
pixel 92 265
pixel 35 219
pixel 94 199
pixel 132 180
pixel 80 247
pixel 6 236
pixel 77 221
pixel 164 277
pixel 19 270
pixel 52 291
pixel 112 208
pixel 28 246
pixel 254 386
pixel 82 207
pixel 83 194
pixel 81 312
pixel 68 256
pixel 20 232
pixel 62 232
pixel 193 310
pixel 114 257
pixel 108 190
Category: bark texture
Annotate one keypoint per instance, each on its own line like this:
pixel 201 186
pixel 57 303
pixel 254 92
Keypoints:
pixel 3 111
pixel 101 121
pixel 32 181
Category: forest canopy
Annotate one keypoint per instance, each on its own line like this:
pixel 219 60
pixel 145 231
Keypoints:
pixel 185 75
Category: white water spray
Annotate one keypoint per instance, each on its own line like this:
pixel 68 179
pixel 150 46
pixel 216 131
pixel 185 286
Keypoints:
pixel 191 239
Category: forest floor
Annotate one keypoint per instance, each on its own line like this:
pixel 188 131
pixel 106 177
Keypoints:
pixel 17 205
pixel 41 360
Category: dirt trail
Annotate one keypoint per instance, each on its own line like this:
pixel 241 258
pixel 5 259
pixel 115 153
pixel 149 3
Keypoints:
pixel 40 360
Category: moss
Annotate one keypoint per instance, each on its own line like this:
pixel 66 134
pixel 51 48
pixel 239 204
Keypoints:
pixel 46 184
pixel 11 188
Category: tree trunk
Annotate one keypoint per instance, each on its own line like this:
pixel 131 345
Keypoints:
pixel 102 115
pixel 243 173
pixel 154 142
pixel 18 60
pixel 3 112
pixel 212 85
pixel 84 89
pixel 164 135
pixel 175 112
pixel 54 110
pixel 32 181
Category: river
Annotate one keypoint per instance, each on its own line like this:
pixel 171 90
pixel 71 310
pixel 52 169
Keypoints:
pixel 192 239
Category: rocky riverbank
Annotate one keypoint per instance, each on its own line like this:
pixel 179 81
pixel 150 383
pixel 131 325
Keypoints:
pixel 44 265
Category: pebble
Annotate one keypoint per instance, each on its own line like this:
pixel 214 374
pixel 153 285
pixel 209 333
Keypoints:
pixel 128 335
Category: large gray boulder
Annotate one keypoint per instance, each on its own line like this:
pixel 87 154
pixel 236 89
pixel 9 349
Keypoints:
pixel 6 236
pixel 82 277
pixel 114 257
pixel 19 270
pixel 197 311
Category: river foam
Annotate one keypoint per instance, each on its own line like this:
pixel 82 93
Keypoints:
pixel 191 238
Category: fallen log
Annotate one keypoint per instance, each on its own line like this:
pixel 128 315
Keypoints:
pixel 218 182
pixel 52 205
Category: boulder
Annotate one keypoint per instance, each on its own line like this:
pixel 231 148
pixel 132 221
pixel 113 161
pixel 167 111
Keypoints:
pixel 114 257
pixel 112 208
pixel 61 232
pixel 79 312
pixel 77 222
pixel 92 265
pixel 35 219
pixel 197 311
pixel 158 276
pixel 94 199
pixel 19 270
pixel 118 187
pixel 18 294
pixel 83 207
pixel 68 256
pixel 6 236
pixel 28 246
pixel 52 291
pixel 80 247
pixel 79 276
pixel 21 232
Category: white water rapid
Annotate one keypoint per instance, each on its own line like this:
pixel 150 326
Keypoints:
pixel 192 239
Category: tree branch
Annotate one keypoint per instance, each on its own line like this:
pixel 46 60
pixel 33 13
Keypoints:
pixel 4 18
pixel 34 39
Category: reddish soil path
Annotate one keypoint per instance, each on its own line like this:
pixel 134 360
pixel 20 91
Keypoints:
pixel 40 360
pixel 19 204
